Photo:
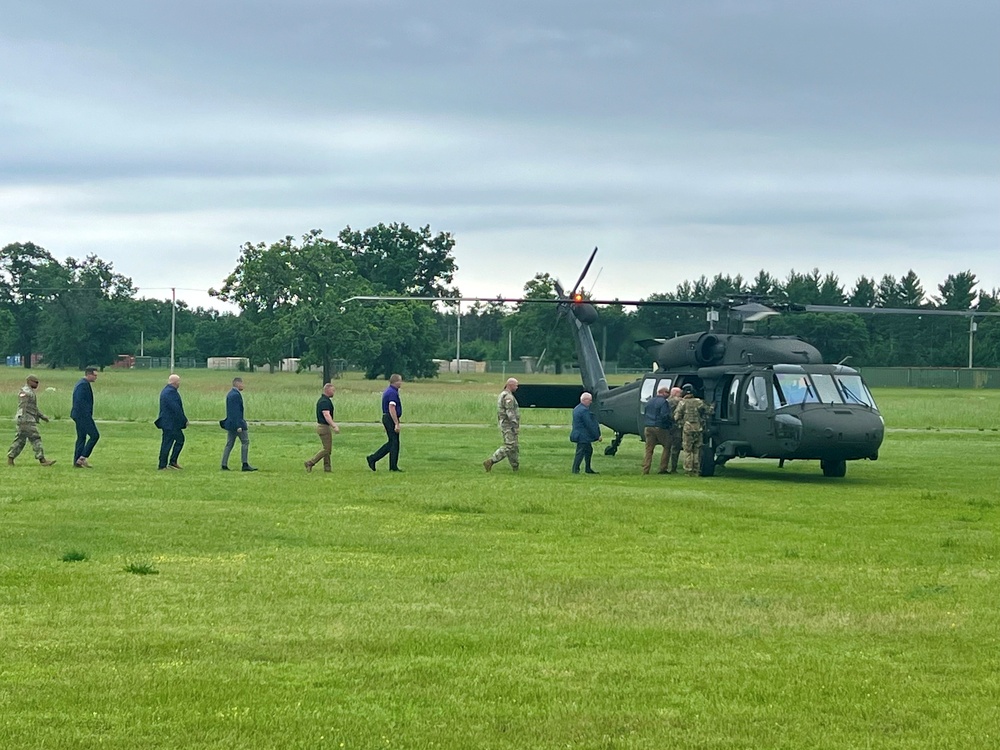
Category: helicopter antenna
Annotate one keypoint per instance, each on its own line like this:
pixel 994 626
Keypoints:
pixel 849 356
pixel 593 284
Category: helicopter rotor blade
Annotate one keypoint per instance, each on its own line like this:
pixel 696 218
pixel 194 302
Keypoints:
pixel 583 275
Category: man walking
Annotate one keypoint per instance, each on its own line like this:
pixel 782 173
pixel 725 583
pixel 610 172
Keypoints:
pixel 690 412
pixel 82 415
pixel 325 428
pixel 173 422
pixel 27 418
pixel 236 427
pixel 509 420
pixel 392 410
pixel 657 420
pixel 586 430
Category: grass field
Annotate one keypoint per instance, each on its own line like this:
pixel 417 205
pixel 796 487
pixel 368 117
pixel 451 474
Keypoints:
pixel 447 608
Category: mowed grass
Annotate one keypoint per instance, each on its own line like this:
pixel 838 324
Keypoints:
pixel 132 395
pixel 446 607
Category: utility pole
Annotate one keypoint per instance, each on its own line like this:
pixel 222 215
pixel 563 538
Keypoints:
pixel 173 325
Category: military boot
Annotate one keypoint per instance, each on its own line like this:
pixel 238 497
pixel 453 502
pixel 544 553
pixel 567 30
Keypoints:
pixel 46 462
pixel 10 461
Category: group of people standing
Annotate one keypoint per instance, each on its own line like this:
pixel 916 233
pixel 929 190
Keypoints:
pixel 674 419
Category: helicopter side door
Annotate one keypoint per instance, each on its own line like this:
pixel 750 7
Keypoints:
pixel 756 414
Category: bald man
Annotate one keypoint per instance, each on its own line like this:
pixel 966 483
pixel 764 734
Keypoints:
pixel 172 422
pixel 509 421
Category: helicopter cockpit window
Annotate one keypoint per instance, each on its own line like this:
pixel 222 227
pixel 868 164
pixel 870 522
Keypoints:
pixel 826 389
pixel 756 395
pixel 794 388
pixel 854 390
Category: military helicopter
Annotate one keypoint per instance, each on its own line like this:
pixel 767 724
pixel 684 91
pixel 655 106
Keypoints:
pixel 773 396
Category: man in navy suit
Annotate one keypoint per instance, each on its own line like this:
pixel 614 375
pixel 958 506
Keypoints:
pixel 82 414
pixel 236 426
pixel 172 421
pixel 586 430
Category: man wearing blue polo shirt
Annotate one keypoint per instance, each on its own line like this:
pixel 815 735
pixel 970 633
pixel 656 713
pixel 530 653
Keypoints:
pixel 392 410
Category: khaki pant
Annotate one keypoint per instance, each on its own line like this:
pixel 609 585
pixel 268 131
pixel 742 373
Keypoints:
pixel 325 433
pixel 655 436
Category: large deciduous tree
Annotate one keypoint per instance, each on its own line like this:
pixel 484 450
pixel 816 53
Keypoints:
pixel 263 286
pixel 29 276
pixel 297 292
pixel 398 260
pixel 90 319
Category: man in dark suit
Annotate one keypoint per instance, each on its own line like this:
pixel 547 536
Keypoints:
pixel 172 421
pixel 236 426
pixel 82 414
pixel 586 430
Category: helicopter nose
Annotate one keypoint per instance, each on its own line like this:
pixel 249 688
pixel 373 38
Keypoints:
pixel 843 433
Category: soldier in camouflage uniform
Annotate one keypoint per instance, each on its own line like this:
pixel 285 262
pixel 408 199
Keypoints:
pixel 27 418
pixel 676 437
pixel 690 412
pixel 509 420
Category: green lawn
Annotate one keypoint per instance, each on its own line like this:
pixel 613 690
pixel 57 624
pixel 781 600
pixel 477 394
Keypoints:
pixel 444 607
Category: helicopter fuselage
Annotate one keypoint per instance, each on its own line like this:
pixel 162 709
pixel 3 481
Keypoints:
pixel 814 412
pixel 771 396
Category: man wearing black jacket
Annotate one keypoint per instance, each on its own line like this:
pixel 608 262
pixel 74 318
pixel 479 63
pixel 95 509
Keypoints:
pixel 172 422
pixel 82 415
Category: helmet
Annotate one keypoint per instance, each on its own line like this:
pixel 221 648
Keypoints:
pixel 687 388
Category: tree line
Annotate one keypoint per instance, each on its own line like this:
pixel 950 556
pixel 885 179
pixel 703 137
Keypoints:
pixel 292 299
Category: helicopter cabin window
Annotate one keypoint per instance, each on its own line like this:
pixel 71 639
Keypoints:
pixel 651 386
pixel 733 401
pixel 756 394
pixel 793 388
pixel 648 389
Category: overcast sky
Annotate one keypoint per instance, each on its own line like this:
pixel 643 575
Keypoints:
pixel 682 137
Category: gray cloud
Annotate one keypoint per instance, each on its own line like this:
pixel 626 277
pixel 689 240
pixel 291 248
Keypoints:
pixel 684 138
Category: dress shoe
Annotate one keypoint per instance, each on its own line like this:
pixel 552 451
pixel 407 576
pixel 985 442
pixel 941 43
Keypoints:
pixel 591 471
pixel 399 470
pixel 371 462
pixel 225 468
pixel 178 467
pixel 248 467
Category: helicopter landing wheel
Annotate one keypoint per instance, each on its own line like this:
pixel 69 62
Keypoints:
pixel 833 468
pixel 615 442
